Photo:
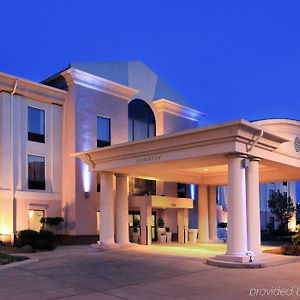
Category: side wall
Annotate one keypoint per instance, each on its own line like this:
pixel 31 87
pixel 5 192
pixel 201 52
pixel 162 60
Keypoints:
pixel 50 199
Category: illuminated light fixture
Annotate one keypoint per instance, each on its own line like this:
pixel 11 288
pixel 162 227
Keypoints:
pixel 5 235
pixel 193 191
pixel 86 178
pixel 205 169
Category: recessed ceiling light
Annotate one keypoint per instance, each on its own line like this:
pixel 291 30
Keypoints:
pixel 205 169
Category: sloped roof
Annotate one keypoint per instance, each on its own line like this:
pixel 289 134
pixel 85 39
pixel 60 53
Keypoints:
pixel 134 74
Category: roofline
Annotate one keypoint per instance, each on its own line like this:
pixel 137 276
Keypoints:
pixel 31 89
pixel 91 81
pixel 175 108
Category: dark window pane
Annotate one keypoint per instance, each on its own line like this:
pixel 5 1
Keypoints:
pixel 285 183
pixel 181 190
pixel 36 172
pixel 140 187
pixel 141 120
pixel 103 132
pixel 36 125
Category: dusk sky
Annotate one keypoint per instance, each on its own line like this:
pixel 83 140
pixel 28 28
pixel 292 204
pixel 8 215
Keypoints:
pixel 229 59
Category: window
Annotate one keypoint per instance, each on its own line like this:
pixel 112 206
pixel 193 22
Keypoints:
pixel 36 172
pixel 36 125
pixel 35 218
pixel 103 132
pixel 181 190
pixel 141 120
pixel 284 183
pixel 141 187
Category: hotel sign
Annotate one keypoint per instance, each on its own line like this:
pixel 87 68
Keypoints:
pixel 148 158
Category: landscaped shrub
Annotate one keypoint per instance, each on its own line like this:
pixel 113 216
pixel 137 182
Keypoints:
pixel 26 237
pixel 46 235
pixel 44 245
pixel 28 234
pixel 291 250
pixel 52 221
pixel 296 239
pixel 43 240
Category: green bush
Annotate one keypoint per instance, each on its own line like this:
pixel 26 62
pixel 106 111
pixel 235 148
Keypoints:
pixel 28 234
pixel 46 235
pixel 160 222
pixel 52 221
pixel 43 240
pixel 24 242
pixel 296 239
pixel 291 250
pixel 44 245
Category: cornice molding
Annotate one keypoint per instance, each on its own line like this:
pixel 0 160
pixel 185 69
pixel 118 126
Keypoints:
pixel 90 81
pixel 164 105
pixel 31 89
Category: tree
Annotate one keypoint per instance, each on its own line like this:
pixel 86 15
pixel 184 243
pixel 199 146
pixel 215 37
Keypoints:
pixel 283 208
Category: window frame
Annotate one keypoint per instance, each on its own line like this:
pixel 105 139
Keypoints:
pixel 97 141
pixel 28 184
pixel 42 140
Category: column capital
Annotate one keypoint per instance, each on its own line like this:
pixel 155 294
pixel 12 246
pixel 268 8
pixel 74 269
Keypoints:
pixel 254 158
pixel 236 154
pixel 121 175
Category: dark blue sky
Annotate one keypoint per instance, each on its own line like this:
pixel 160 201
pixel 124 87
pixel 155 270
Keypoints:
pixel 230 59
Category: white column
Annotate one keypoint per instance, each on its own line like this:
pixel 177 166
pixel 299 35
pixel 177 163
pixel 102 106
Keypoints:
pixel 203 232
pixel 253 206
pixel 122 231
pixel 107 229
pixel 212 208
pixel 237 218
pixel 183 225
pixel 146 221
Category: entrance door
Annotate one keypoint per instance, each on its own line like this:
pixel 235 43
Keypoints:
pixel 133 216
pixel 35 216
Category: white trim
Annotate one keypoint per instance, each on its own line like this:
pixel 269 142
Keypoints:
pixel 32 90
pixel 164 105
pixel 75 76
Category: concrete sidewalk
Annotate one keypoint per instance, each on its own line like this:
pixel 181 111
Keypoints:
pixel 83 272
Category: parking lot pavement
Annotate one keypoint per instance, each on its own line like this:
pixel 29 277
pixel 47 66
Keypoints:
pixel 136 274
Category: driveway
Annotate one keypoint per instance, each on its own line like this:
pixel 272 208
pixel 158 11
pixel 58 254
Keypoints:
pixel 87 273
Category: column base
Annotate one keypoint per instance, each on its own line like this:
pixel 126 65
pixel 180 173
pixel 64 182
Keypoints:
pixel 104 245
pixel 239 258
pixel 203 241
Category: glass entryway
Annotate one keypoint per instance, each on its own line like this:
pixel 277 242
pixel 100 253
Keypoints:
pixel 135 217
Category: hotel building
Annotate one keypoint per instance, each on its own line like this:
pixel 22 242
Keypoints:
pixel 104 144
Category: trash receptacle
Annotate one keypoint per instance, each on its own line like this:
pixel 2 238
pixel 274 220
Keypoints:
pixel 193 236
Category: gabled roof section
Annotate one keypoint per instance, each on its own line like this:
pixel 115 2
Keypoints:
pixel 134 74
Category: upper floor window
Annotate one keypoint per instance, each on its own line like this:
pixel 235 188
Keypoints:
pixel 103 132
pixel 36 172
pixel 141 120
pixel 36 125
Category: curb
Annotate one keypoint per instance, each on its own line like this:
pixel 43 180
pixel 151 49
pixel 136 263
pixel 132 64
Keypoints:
pixel 18 263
